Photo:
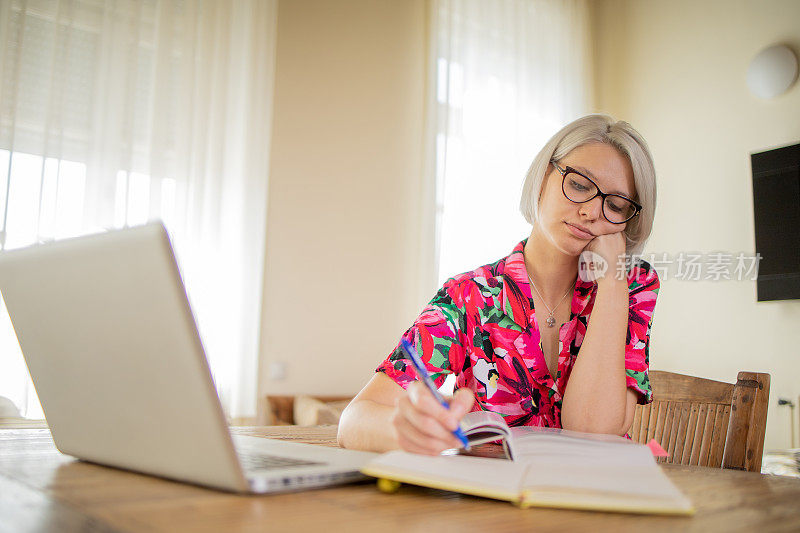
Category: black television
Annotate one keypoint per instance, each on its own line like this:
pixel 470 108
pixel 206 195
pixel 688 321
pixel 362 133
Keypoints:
pixel 776 209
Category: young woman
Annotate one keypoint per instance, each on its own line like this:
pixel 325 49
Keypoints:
pixel 526 336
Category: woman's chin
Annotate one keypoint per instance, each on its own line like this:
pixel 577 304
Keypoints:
pixel 566 244
pixel 572 246
pixel 571 249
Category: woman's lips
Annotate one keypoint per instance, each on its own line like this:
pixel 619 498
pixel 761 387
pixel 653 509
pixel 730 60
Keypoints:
pixel 581 234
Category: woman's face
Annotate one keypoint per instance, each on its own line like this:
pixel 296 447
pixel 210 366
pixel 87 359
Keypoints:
pixel 570 226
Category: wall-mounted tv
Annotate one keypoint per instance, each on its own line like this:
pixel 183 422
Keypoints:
pixel 776 207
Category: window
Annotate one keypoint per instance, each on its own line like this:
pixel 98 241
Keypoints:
pixel 506 80
pixel 113 113
pixel 42 200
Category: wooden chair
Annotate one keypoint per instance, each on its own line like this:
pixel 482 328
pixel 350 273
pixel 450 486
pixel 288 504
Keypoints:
pixel 705 422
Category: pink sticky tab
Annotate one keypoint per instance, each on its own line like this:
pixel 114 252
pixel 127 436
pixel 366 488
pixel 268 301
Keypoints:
pixel 656 449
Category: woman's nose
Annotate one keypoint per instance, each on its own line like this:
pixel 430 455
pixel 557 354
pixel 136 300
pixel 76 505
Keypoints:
pixel 593 209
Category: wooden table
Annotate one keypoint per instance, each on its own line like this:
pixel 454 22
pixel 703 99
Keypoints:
pixel 43 490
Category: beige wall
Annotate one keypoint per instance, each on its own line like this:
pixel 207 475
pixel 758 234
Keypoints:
pixel 676 70
pixel 343 261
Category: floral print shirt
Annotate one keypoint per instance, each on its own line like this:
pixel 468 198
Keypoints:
pixel 481 327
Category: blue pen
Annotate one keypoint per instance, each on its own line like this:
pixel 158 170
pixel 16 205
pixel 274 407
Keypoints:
pixel 423 375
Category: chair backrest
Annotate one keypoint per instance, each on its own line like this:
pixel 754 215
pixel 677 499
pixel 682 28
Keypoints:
pixel 705 422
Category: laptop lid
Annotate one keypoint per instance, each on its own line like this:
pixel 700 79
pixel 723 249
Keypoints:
pixel 112 347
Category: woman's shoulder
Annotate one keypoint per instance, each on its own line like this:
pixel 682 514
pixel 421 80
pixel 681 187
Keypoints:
pixel 642 275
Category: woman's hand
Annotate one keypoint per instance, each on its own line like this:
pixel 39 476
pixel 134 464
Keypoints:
pixel 611 247
pixel 423 425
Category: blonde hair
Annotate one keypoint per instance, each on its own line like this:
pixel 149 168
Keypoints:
pixel 620 135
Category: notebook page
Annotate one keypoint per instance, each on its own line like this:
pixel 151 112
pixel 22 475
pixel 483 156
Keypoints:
pixel 606 464
pixel 597 437
pixel 578 450
pixel 479 418
pixel 647 482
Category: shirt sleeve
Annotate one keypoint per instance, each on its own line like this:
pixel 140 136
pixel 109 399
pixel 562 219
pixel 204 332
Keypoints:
pixel 437 336
pixel 643 285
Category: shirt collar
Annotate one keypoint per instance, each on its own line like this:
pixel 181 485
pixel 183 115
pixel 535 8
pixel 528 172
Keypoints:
pixel 516 296
pixel 517 302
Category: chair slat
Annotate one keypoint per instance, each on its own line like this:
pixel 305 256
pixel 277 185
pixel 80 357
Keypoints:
pixel 688 439
pixel 675 422
pixel 652 422
pixel 708 433
pixel 714 453
pixel 726 414
pixel 643 424
pixel 718 445
pixel 680 435
pixel 637 416
pixel 669 414
pixel 674 449
pixel 658 434
pixel 699 429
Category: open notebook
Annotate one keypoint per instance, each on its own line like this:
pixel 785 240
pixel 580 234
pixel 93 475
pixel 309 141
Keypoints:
pixel 550 468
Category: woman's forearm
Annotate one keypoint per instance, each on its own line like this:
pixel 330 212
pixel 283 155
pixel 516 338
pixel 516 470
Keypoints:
pixel 366 425
pixel 596 399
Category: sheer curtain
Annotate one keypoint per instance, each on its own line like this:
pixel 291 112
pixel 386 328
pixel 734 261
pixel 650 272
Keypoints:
pixel 117 112
pixel 509 74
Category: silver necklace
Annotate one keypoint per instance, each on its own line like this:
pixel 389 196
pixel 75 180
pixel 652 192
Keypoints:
pixel 551 321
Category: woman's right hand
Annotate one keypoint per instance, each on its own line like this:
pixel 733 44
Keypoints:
pixel 423 425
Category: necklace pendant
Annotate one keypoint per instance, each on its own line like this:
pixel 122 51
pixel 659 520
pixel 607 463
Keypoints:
pixel 551 321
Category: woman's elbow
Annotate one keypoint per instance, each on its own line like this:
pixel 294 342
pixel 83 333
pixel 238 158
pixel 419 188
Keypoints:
pixel 345 429
pixel 595 425
pixel 341 438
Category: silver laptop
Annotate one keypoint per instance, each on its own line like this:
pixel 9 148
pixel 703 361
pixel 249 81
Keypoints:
pixel 111 344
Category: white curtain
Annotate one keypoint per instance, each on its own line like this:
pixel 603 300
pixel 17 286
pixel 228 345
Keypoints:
pixel 117 112
pixel 509 74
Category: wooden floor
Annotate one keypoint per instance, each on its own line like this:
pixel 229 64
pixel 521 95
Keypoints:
pixel 43 490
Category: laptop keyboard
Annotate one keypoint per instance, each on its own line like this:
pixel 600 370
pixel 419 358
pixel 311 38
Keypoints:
pixel 254 461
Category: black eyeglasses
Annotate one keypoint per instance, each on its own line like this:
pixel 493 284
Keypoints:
pixel 579 189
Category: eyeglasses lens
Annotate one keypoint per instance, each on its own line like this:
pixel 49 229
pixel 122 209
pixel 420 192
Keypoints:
pixel 615 208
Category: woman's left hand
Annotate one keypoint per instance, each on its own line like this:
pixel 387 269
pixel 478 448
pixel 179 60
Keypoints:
pixel 611 247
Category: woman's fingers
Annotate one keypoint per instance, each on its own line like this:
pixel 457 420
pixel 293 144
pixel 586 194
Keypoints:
pixel 411 446
pixel 609 246
pixel 462 403
pixel 424 402
pixel 412 439
pixel 422 424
